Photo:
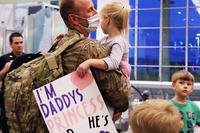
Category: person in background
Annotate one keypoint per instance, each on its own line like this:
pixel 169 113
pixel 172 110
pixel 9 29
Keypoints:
pixel 114 23
pixel 17 46
pixel 182 85
pixel 155 116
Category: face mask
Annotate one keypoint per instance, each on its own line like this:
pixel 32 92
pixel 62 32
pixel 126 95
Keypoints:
pixel 93 23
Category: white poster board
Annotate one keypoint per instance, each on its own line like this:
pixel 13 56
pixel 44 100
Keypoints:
pixel 74 105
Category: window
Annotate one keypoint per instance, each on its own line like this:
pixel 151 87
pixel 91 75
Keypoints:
pixel 164 37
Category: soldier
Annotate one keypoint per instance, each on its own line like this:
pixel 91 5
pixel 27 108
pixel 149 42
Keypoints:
pixel 81 16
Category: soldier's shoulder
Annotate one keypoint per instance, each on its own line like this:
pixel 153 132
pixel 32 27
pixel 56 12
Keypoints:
pixel 87 42
pixel 91 41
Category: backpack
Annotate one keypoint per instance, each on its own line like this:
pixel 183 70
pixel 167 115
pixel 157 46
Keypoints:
pixel 18 61
pixel 21 108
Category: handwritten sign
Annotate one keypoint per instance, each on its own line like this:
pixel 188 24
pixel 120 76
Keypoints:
pixel 74 105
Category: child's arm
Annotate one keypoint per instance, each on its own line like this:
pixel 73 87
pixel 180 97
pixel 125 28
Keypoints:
pixel 96 63
pixel 110 62
pixel 115 57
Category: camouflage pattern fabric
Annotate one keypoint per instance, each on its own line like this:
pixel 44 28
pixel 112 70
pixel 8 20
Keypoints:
pixel 21 108
pixel 113 85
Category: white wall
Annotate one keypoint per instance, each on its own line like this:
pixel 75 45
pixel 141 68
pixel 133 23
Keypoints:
pixel 6 14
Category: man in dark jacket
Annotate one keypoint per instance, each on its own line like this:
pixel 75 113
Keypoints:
pixel 17 46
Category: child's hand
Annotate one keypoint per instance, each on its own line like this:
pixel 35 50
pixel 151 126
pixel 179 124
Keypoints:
pixel 116 115
pixel 82 69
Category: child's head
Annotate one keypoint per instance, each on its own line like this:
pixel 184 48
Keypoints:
pixel 182 83
pixel 155 116
pixel 118 13
pixel 183 75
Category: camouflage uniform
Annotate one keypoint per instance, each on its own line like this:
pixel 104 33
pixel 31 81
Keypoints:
pixel 112 84
pixel 21 107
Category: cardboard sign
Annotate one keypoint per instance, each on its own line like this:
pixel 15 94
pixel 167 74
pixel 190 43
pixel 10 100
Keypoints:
pixel 74 105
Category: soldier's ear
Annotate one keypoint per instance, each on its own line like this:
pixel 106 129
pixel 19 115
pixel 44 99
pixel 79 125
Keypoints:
pixel 73 19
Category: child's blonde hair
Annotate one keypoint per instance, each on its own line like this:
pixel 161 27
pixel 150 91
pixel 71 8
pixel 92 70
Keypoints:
pixel 119 14
pixel 155 116
pixel 182 75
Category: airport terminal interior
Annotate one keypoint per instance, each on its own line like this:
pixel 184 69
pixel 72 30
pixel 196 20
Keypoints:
pixel 163 36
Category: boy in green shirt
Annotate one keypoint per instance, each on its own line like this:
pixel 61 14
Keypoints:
pixel 182 84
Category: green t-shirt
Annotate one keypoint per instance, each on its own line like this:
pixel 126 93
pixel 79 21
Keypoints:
pixel 190 116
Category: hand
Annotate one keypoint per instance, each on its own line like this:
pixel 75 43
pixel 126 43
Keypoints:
pixel 83 68
pixel 116 115
pixel 5 70
pixel 7 66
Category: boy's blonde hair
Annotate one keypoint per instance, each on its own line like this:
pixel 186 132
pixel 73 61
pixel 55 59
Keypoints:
pixel 155 116
pixel 118 13
pixel 182 75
